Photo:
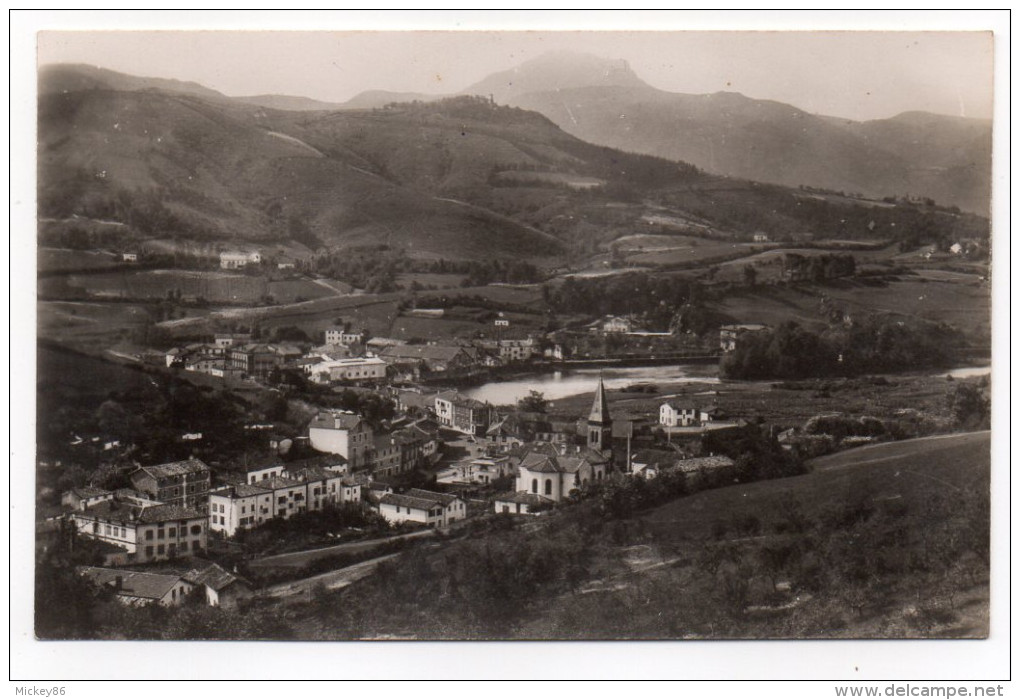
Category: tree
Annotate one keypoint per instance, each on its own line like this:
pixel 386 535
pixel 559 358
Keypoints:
pixel 970 407
pixel 534 402
pixel 750 275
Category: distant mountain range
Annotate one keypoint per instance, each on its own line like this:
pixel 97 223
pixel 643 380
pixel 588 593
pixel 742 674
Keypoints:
pixel 604 102
pixel 461 177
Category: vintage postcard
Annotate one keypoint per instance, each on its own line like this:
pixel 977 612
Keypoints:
pixel 501 335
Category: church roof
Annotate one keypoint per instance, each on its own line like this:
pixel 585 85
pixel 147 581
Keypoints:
pixel 600 407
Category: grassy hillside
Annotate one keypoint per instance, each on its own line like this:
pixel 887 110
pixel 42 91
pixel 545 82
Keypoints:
pixel 894 545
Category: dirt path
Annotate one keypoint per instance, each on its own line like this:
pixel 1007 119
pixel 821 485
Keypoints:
pixel 303 558
pixel 332 580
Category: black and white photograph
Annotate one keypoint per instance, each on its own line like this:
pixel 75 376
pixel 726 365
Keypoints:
pixel 369 335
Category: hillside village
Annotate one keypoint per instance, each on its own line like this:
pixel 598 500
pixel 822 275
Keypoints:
pixel 260 392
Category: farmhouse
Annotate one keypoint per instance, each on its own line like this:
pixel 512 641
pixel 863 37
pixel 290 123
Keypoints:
pixel 137 587
pixel 336 335
pixel 183 483
pixel 233 260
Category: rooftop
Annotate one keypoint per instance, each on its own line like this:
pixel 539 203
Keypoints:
pixel 444 498
pixel 214 576
pixel 241 491
pixel 395 499
pixel 188 466
pixel 133 583
pixel 696 463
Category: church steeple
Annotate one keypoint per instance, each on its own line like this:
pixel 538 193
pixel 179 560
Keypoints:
pixel 600 424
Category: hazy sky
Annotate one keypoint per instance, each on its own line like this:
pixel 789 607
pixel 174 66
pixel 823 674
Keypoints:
pixel 859 75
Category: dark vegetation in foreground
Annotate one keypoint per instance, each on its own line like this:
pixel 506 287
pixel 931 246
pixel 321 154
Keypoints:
pixel 853 553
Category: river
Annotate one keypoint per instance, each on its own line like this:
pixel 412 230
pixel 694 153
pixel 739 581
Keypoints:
pixel 560 384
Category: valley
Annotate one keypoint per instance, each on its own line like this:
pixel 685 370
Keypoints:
pixel 378 331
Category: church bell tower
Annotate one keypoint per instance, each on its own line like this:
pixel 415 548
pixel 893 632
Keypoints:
pixel 600 424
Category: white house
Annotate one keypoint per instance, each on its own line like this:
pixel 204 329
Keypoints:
pixel 420 506
pixel 232 259
pixel 482 470
pixel 240 507
pixel 672 414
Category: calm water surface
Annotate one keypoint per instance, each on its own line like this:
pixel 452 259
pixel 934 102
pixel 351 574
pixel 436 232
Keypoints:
pixel 558 385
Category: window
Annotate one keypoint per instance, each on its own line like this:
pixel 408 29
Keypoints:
pixel 161 533
pixel 281 500
pixel 244 509
pixel 184 546
pixel 148 535
pixel 173 532
pixel 196 529
pixel 160 549
pixel 548 487
pixel 107 528
pixel 534 485
pixel 148 551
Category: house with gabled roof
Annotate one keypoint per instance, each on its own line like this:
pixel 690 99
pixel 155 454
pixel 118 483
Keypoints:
pixel 221 588
pixel 138 587
pixel 421 506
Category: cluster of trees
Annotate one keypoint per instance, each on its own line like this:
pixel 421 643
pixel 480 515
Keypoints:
pixel 818 268
pixel 657 297
pixel 871 345
pixel 481 587
pixel 372 268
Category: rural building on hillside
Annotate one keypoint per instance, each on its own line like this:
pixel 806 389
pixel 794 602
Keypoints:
pixel 233 259
pixel 336 335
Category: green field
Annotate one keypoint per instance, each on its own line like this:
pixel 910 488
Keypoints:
pixel 212 286
pixel 885 542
